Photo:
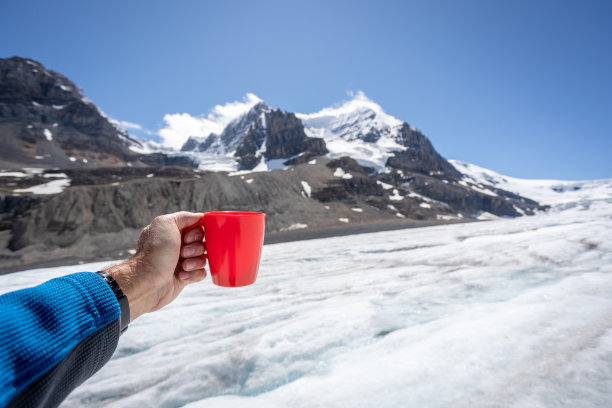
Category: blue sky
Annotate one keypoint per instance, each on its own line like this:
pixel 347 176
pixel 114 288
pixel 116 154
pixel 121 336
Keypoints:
pixel 521 87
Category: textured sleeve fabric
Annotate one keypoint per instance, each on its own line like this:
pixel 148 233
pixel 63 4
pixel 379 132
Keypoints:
pixel 41 326
pixel 82 362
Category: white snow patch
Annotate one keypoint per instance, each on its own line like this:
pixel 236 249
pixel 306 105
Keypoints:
pixel 55 124
pixel 294 227
pixel 249 181
pixel 58 107
pixel 65 88
pixel 396 195
pixel 240 173
pixel 150 175
pixel 425 205
pixel 385 186
pixel 38 105
pixel 343 219
pixel 482 190
pixel 48 134
pixel 519 210
pixel 391 207
pixel 414 194
pixel 313 161
pixel 13 174
pixel 341 173
pixel 33 170
pixel 55 175
pixel 261 166
pixel 52 187
pixel 307 188
pixel 72 159
pixel 400 215
pixel 359 210
pixel 487 216
pixel 446 217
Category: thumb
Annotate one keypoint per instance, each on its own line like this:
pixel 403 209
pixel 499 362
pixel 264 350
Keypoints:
pixel 186 219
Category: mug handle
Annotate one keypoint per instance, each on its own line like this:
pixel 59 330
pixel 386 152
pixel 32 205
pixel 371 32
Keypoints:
pixel 189 228
pixel 200 223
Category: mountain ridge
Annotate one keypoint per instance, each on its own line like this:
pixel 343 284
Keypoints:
pixel 47 121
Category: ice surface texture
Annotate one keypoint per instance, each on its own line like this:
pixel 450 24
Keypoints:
pixel 512 313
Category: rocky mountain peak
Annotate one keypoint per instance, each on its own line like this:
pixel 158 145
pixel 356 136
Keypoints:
pixel 46 121
pixel 230 137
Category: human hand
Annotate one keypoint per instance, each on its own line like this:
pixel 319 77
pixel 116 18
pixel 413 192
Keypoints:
pixel 163 264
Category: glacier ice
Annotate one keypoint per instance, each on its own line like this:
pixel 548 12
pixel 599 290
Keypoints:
pixel 512 312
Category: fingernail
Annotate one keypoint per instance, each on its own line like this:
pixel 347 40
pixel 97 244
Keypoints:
pixel 188 251
pixel 184 275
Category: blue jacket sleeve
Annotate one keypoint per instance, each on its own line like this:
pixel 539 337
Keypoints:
pixel 41 326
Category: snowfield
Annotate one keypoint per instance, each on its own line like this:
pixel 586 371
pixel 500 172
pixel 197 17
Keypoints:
pixel 505 313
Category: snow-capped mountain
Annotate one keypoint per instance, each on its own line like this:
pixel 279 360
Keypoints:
pixel 261 139
pixel 358 128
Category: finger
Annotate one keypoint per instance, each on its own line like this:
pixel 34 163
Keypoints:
pixel 192 250
pixel 194 235
pixel 192 264
pixel 184 219
pixel 192 276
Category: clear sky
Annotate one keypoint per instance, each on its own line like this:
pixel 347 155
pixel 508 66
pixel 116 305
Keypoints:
pixel 520 87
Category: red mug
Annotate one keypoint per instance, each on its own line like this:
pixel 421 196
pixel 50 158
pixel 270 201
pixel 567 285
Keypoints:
pixel 233 245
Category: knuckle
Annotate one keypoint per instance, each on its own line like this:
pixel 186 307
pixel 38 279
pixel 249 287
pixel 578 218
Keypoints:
pixel 157 220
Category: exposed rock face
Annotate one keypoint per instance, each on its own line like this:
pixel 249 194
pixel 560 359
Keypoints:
pixel 283 137
pixel 46 121
pixel 421 157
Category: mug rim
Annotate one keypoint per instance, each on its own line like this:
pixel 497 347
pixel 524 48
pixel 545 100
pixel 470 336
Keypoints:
pixel 235 213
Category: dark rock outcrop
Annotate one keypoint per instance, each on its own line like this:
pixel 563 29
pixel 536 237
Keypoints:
pixel 421 157
pixel 283 137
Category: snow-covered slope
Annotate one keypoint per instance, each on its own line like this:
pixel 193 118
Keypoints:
pixel 358 128
pixel 509 313
pixel 556 193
